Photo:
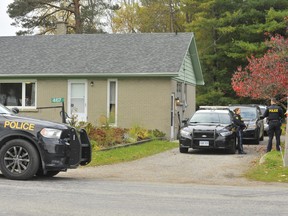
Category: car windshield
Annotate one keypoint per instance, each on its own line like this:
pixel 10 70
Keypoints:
pixel 4 110
pixel 218 118
pixel 248 113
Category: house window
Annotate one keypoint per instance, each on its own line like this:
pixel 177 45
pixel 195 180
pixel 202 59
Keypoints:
pixel 179 90
pixel 20 94
pixel 112 101
pixel 185 93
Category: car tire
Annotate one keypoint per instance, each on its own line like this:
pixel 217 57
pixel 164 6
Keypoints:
pixel 183 150
pixel 19 160
pixel 257 141
pixel 232 150
pixel 262 137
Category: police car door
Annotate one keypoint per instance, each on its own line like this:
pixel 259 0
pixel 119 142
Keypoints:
pixel 77 99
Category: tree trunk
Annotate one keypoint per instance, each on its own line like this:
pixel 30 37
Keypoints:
pixel 172 20
pixel 77 14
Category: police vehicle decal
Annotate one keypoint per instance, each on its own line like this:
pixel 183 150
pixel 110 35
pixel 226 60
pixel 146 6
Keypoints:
pixel 19 125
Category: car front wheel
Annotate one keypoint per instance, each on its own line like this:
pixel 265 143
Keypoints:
pixel 19 160
pixel 262 137
pixel 257 141
pixel 232 150
pixel 183 149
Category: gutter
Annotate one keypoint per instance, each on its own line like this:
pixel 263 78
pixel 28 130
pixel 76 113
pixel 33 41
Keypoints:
pixel 17 76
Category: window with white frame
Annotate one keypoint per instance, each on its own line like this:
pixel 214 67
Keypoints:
pixel 112 101
pixel 20 94
pixel 179 90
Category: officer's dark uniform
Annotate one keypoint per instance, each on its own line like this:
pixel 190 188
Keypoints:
pixel 274 114
pixel 240 127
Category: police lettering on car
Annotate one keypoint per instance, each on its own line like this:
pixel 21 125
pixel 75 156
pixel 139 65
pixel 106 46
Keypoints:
pixel 274 114
pixel 19 125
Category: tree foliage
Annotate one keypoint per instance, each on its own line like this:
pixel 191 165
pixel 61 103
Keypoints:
pixel 82 16
pixel 266 76
pixel 126 19
pixel 149 16
pixel 229 31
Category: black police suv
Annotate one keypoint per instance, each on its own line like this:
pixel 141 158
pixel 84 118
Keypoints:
pixel 209 129
pixel 30 147
pixel 251 115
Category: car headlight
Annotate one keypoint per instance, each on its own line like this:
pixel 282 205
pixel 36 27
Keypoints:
pixel 225 133
pixel 251 126
pixel 51 133
pixel 186 134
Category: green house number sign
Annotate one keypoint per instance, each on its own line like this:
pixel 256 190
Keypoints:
pixel 57 100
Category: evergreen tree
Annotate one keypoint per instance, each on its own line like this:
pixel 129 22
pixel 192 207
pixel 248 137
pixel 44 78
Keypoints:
pixel 226 33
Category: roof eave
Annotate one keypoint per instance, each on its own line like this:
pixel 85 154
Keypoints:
pixel 163 74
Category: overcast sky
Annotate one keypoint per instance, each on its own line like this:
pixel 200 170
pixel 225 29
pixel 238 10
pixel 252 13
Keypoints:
pixel 5 22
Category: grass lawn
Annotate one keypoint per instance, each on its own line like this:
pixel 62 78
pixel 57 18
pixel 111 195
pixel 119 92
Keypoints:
pixel 271 170
pixel 131 152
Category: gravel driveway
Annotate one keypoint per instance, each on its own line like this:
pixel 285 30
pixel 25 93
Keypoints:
pixel 204 167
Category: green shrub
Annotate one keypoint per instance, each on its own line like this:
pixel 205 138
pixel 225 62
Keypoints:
pixel 156 133
pixel 106 136
pixel 137 133
pixel 102 136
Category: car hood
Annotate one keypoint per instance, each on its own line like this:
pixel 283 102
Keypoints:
pixel 205 127
pixel 249 121
pixel 38 123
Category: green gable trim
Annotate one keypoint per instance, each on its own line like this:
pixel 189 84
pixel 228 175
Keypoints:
pixel 190 71
pixel 186 72
pixel 196 63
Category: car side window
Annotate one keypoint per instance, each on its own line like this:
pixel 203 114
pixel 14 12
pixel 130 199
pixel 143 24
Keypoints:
pixel 225 119
pixel 258 113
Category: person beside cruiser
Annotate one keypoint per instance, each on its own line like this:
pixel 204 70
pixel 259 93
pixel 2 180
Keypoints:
pixel 239 131
pixel 274 114
pixel 11 99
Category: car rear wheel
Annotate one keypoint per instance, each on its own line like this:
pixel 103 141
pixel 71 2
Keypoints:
pixel 257 141
pixel 19 160
pixel 183 150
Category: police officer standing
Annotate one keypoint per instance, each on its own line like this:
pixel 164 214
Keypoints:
pixel 275 115
pixel 239 131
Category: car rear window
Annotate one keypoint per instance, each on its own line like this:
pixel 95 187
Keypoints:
pixel 217 118
pixel 248 113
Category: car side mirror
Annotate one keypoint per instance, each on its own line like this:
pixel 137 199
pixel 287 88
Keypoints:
pixel 185 122
pixel 15 110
